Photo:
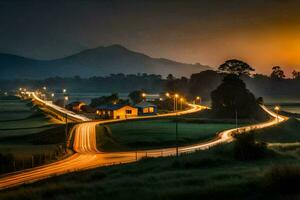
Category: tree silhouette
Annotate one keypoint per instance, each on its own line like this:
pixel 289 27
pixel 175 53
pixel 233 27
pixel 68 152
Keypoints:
pixel 136 96
pixel 237 67
pixel 232 97
pixel 277 73
pixel 296 74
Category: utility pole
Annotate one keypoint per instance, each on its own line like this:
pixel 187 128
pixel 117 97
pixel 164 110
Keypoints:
pixel 174 104
pixel 66 130
pixel 176 136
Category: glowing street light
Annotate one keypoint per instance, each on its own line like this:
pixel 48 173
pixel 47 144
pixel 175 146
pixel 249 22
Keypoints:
pixel 64 90
pixel 181 100
pixel 198 98
pixel 175 102
pixel 52 95
pixel 167 94
pixel 44 88
pixel 66 98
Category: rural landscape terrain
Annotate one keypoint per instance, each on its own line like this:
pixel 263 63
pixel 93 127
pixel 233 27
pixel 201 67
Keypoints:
pixel 111 108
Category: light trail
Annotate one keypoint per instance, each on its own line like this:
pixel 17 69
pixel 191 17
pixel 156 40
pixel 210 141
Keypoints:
pixel 87 155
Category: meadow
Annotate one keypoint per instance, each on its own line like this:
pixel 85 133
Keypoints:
pixel 211 174
pixel 26 133
pixel 149 134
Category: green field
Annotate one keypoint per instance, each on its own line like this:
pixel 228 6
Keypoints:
pixel 211 174
pixel 26 132
pixel 18 117
pixel 13 108
pixel 154 133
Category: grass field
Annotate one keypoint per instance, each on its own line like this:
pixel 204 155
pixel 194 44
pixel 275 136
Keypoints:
pixel 154 133
pixel 18 117
pixel 212 174
pixel 25 131
pixel 286 132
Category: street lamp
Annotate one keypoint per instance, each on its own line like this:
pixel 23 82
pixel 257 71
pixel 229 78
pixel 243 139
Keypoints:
pixel 198 99
pixel 44 88
pixel 167 94
pixel 277 108
pixel 64 90
pixel 144 96
pixel 175 102
pixel 65 100
pixel 181 100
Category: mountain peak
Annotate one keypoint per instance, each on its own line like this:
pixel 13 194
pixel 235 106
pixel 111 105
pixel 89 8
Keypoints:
pixel 99 61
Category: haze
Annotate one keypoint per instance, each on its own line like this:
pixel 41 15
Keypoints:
pixel 263 33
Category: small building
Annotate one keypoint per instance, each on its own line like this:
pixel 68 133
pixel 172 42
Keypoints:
pixel 76 106
pixel 117 111
pixel 146 108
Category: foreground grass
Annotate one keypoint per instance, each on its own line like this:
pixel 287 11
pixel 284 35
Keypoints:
pixel 286 132
pixel 154 133
pixel 213 174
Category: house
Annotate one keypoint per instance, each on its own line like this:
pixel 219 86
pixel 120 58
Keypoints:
pixel 76 106
pixel 146 108
pixel 117 111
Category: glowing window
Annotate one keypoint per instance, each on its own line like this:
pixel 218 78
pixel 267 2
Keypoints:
pixel 151 109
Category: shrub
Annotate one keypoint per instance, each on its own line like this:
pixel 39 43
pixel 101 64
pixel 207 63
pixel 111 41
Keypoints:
pixel 283 179
pixel 246 148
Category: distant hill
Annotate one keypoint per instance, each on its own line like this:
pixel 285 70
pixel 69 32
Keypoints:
pixel 99 61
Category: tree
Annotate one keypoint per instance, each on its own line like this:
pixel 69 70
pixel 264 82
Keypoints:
pixel 107 100
pixel 296 74
pixel 232 97
pixel 201 84
pixel 136 96
pixel 237 67
pixel 277 73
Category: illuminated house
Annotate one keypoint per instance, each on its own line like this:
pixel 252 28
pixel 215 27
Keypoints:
pixel 76 106
pixel 146 108
pixel 117 111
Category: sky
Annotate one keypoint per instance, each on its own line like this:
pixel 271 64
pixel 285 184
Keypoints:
pixel 262 33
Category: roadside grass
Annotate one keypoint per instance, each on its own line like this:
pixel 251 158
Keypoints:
pixel 285 132
pixel 150 134
pixel 35 120
pixel 32 136
pixel 12 109
pixel 212 174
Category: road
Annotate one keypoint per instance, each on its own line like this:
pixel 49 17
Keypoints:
pixel 87 155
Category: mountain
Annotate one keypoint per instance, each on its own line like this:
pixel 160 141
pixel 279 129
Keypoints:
pixel 99 61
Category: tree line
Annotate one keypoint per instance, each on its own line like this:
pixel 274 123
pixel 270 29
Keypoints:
pixel 199 84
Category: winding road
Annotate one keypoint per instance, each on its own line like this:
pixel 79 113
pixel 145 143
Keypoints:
pixel 87 155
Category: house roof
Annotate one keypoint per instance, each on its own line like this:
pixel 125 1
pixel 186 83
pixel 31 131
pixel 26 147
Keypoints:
pixel 76 103
pixel 144 104
pixel 112 106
